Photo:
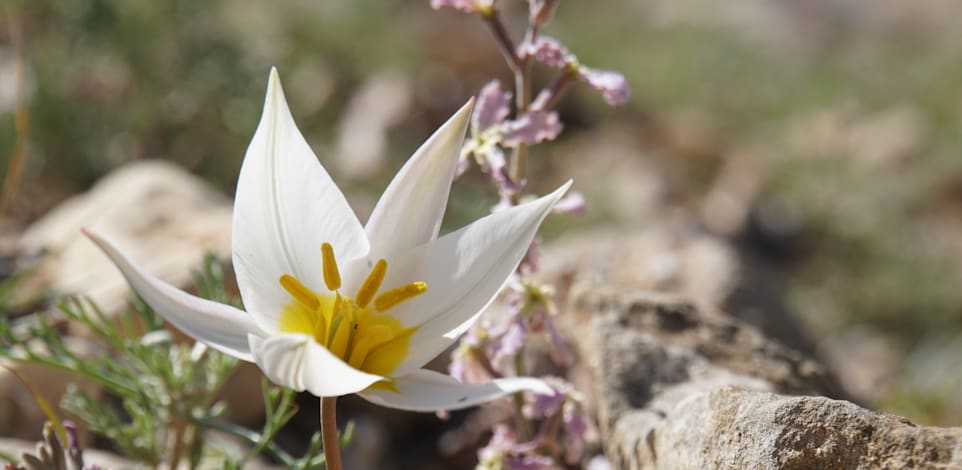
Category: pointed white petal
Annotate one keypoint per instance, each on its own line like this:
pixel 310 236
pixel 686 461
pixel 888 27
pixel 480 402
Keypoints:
pixel 464 270
pixel 298 362
pixel 220 326
pixel 410 210
pixel 425 390
pixel 286 206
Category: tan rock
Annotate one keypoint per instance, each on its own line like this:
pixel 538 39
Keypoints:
pixel 162 216
pixel 670 257
pixel 675 386
pixel 381 103
pixel 165 219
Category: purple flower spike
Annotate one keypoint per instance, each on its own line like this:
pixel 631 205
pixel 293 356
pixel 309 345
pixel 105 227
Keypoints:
pixel 547 51
pixel 529 462
pixel 560 352
pixel 503 452
pixel 463 5
pixel 493 107
pixel 612 85
pixel 579 432
pixel 543 406
pixel 573 204
pixel 70 429
pixel 532 128
pixel 510 343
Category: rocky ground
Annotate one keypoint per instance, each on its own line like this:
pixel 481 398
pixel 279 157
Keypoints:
pixel 772 248
pixel 684 361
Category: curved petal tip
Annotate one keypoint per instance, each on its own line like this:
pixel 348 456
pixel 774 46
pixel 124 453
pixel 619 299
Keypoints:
pixel 221 326
pixel 425 390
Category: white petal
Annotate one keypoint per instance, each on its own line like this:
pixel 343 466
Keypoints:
pixel 464 270
pixel 220 326
pixel 410 210
pixel 298 362
pixel 286 206
pixel 424 390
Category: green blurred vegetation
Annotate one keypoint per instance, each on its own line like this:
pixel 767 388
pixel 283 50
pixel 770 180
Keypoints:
pixel 116 80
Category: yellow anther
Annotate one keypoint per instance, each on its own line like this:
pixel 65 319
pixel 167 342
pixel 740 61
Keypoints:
pixel 391 298
pixel 371 284
pixel 332 278
pixel 301 293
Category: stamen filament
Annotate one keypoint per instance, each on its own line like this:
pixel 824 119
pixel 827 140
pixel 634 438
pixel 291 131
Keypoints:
pixel 301 293
pixel 332 278
pixel 336 318
pixel 393 297
pixel 373 282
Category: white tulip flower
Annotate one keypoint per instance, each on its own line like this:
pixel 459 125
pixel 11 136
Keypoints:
pixel 334 307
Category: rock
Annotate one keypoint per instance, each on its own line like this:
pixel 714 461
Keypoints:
pixel 163 217
pixel 871 361
pixel 730 427
pixel 874 141
pixel 676 386
pixel 362 139
pixel 166 220
pixel 670 257
pixel 620 180
pixel 675 256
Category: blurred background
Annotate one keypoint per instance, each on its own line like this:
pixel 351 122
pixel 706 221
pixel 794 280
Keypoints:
pixel 821 139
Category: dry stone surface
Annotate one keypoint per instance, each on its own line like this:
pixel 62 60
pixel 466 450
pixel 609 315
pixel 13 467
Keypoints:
pixel 680 387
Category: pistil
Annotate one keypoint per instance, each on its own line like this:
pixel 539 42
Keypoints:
pixel 355 330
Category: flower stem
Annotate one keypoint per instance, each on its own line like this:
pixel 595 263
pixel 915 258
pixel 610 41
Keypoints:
pixel 177 443
pixel 521 68
pixel 524 426
pixel 550 95
pixel 505 44
pixel 522 89
pixel 332 448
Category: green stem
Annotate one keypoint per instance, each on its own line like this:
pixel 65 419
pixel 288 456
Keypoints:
pixel 522 86
pixel 267 445
pixel 523 424
pixel 332 448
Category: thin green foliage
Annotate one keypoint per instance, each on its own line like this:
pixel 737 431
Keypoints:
pixel 163 394
pixel 279 406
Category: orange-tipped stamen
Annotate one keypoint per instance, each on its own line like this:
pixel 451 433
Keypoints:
pixel 371 284
pixel 332 278
pixel 393 297
pixel 301 293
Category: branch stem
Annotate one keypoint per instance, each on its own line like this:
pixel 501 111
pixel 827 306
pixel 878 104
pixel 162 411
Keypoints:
pixel 549 96
pixel 522 86
pixel 524 426
pixel 332 447
pixel 503 39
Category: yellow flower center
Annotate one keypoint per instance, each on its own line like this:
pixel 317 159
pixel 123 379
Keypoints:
pixel 354 329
